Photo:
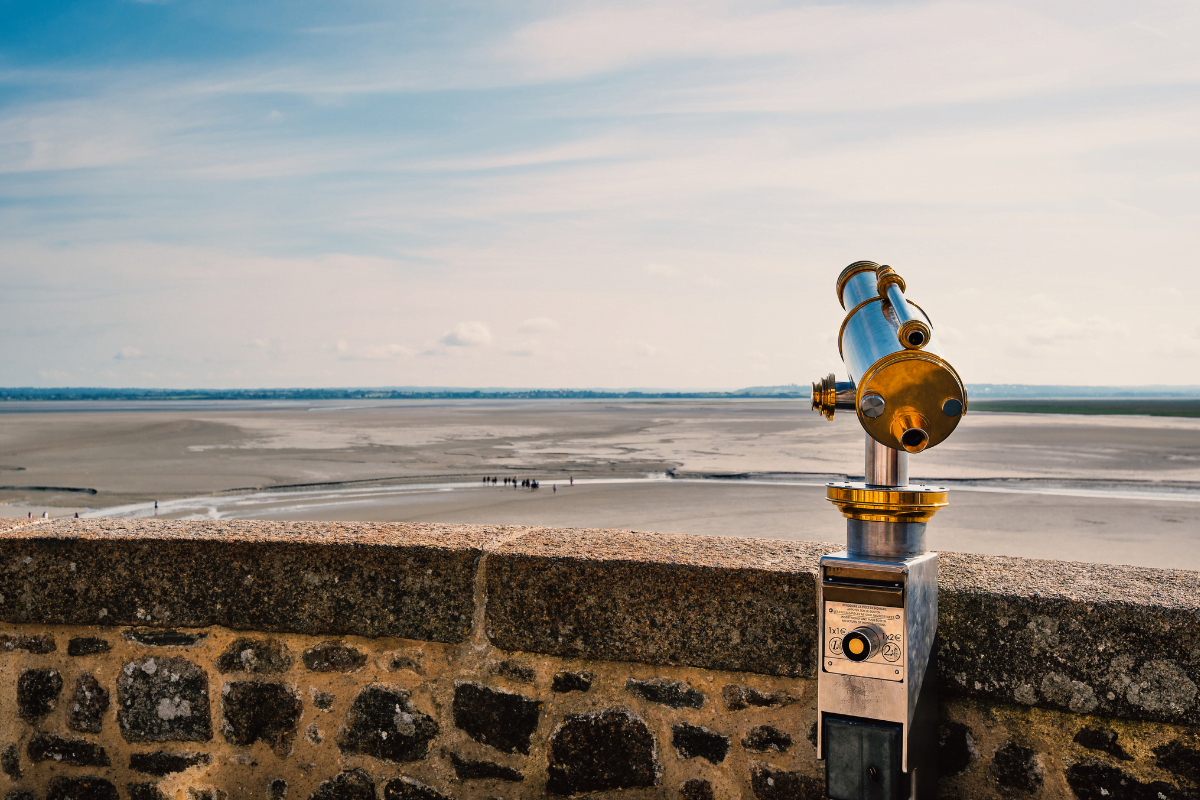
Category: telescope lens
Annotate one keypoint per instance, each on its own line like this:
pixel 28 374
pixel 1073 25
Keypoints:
pixel 914 439
pixel 916 338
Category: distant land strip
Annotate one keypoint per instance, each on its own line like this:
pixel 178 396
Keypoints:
pixel 36 394
pixel 1018 397
pixel 1150 406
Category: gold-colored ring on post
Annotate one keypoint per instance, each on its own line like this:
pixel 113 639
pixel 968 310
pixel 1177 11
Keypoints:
pixel 890 504
pixel 849 272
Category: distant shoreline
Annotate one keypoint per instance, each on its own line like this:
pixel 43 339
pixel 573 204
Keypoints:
pixel 1028 398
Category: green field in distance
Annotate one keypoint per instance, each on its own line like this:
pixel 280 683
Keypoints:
pixel 1155 407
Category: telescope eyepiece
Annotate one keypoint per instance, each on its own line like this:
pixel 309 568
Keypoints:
pixel 914 440
pixel 911 429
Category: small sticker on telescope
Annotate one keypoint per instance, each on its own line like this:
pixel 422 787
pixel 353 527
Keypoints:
pixel 883 625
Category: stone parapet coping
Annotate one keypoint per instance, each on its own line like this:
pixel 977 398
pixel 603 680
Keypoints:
pixel 1097 639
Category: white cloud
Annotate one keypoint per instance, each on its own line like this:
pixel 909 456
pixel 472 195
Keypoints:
pixel 128 354
pixel 538 325
pixel 468 334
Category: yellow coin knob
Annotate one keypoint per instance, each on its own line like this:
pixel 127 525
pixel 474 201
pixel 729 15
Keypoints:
pixel 855 646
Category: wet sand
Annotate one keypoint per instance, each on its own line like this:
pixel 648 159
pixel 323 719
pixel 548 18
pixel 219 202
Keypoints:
pixel 1106 489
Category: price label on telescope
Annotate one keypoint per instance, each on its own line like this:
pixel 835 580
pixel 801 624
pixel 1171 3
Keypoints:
pixel 875 644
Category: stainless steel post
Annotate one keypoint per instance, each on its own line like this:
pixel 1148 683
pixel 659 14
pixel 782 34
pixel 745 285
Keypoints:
pixel 885 466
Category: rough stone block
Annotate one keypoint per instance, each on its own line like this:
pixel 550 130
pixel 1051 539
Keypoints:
pixel 503 720
pixel 764 738
pixel 277 789
pixel 382 722
pixel 1095 780
pixel 333 657
pixel 322 700
pixel 513 670
pixel 37 693
pixel 572 682
pixel 405 788
pixel 19 794
pixel 1017 767
pixel 167 638
pixel 87 645
pixel 1178 758
pixel 696 789
pixel 10 761
pixel 771 783
pixel 85 787
pixel 160 762
pixel 258 656
pixel 676 694
pixel 956 748
pixel 37 644
pixel 254 711
pixel 162 700
pixel 145 791
pixel 91 701
pixel 467 769
pixel 1104 740
pixel 76 752
pixel 206 793
pixel 395 662
pixel 352 784
pixel 411 581
pixel 716 603
pixel 607 749
pixel 740 697
pixel 696 741
pixel 1087 638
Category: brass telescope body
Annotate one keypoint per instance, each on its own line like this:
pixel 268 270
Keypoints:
pixel 906 395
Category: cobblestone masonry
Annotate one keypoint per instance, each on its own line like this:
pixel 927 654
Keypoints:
pixel 442 667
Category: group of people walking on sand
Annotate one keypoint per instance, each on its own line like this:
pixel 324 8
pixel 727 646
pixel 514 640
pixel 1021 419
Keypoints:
pixel 525 483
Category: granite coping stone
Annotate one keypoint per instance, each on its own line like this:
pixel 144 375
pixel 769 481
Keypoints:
pixel 716 602
pixel 402 580
pixel 1088 638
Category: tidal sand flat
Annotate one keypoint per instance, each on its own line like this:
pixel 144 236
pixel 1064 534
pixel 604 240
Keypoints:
pixel 1089 488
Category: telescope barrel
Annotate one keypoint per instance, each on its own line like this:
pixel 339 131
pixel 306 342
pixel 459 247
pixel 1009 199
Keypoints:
pixel 907 396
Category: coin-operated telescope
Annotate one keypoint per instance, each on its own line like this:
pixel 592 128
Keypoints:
pixel 877 599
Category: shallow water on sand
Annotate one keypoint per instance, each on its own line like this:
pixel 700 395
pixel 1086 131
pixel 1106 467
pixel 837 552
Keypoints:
pixel 1102 489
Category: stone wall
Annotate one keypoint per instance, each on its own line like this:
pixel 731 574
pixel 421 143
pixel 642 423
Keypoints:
pixel 191 660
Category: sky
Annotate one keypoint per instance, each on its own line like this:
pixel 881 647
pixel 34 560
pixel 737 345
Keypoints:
pixel 200 193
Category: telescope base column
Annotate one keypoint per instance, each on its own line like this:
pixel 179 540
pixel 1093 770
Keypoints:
pixel 887 540
pixel 876 691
